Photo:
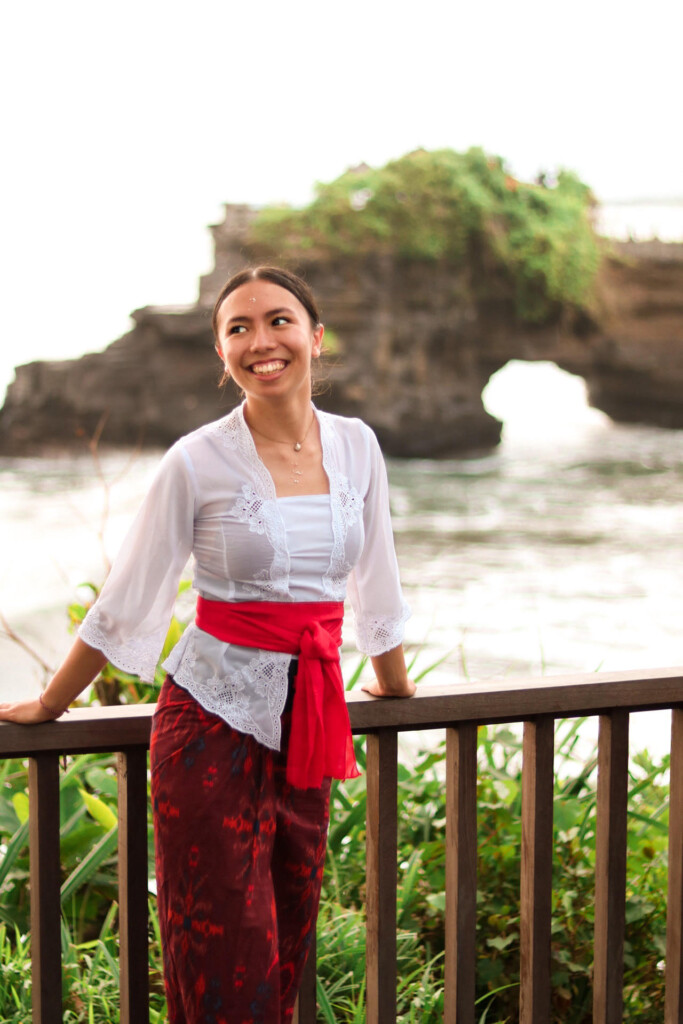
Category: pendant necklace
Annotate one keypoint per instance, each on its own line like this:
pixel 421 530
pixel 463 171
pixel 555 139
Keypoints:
pixel 296 446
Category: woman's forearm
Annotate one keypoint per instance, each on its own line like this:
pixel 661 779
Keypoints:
pixel 391 675
pixel 81 665
pixel 77 671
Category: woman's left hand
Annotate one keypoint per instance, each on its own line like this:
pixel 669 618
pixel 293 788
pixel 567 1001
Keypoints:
pixel 377 689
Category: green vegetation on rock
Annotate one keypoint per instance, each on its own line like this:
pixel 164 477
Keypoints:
pixel 534 240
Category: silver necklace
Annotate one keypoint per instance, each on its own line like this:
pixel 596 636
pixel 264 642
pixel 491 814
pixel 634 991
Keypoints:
pixel 296 446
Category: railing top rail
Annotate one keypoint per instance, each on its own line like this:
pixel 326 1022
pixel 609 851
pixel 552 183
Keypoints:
pixel 434 705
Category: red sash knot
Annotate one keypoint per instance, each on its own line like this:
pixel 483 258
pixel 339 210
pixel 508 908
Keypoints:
pixel 320 742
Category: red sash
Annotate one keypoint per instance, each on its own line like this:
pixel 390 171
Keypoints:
pixel 320 742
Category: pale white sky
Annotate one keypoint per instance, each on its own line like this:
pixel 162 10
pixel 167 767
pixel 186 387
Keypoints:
pixel 125 127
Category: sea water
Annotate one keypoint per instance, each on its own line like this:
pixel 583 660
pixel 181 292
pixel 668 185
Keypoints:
pixel 560 551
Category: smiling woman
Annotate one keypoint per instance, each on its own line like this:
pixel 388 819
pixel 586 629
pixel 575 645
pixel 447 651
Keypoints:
pixel 284 509
pixel 267 340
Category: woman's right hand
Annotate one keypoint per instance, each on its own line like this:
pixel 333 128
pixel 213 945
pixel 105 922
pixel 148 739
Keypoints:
pixel 25 712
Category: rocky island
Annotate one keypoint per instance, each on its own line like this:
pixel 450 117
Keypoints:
pixel 414 341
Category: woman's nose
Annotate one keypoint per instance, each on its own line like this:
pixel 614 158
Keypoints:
pixel 261 338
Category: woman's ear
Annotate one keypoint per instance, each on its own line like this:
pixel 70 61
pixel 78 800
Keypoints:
pixel 226 373
pixel 317 341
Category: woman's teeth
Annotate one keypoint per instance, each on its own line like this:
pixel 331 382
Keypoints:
pixel 273 367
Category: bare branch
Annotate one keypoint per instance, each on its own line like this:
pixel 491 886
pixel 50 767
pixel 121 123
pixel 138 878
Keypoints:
pixel 12 635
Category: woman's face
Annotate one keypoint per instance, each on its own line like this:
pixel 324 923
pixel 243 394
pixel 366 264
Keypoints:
pixel 266 340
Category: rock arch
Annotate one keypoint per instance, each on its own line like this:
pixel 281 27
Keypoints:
pixel 527 396
pixel 416 349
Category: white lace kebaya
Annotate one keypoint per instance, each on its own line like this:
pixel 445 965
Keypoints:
pixel 214 499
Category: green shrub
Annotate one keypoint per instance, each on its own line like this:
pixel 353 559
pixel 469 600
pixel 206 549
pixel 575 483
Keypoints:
pixel 421 892
pixel 88 786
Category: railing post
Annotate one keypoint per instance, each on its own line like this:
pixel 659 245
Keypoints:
pixel 133 921
pixel 610 868
pixel 461 873
pixel 46 946
pixel 381 831
pixel 306 1008
pixel 673 1007
pixel 536 870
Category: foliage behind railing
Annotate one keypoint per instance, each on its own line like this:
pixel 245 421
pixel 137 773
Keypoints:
pixel 422 852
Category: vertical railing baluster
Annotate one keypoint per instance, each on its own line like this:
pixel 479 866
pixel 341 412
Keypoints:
pixel 382 821
pixel 673 1007
pixel 536 870
pixel 133 921
pixel 46 946
pixel 610 868
pixel 461 873
pixel 305 1009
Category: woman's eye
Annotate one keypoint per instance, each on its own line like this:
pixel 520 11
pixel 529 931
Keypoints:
pixel 237 329
pixel 280 320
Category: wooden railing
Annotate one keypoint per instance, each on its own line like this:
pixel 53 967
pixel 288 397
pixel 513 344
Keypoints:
pixel 536 703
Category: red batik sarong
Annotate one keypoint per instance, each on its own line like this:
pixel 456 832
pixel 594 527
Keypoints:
pixel 239 862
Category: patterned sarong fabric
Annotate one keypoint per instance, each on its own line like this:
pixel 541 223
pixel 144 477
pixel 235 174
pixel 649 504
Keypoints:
pixel 239 862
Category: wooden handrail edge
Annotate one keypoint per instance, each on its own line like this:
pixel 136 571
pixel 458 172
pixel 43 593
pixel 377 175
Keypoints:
pixel 96 729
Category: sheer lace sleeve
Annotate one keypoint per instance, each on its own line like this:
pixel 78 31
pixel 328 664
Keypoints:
pixel 130 618
pixel 374 587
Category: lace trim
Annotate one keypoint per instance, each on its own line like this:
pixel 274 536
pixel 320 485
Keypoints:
pixel 376 635
pixel 258 505
pixel 183 651
pixel 263 680
pixel 137 656
pixel 347 507
pixel 235 434
pixel 351 504
pixel 263 584
pixel 251 509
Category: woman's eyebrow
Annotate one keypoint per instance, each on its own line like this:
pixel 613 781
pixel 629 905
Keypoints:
pixel 270 312
pixel 280 309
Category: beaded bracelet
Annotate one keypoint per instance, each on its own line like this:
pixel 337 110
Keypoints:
pixel 55 712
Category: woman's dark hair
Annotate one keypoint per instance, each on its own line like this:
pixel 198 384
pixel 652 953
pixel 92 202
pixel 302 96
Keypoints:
pixel 276 275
